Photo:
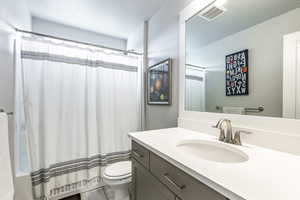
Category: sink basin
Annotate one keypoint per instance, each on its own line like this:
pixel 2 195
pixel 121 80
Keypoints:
pixel 212 151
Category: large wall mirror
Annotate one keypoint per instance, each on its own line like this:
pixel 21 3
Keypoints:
pixel 235 58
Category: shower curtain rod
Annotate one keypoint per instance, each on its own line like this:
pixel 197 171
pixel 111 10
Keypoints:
pixel 78 42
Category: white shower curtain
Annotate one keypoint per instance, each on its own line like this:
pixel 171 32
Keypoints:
pixel 78 104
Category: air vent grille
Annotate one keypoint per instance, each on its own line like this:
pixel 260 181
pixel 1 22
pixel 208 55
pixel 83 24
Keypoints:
pixel 212 13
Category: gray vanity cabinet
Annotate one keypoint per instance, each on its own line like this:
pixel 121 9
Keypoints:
pixel 182 184
pixel 153 178
pixel 140 154
pixel 146 187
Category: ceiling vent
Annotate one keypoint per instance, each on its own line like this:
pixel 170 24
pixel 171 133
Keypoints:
pixel 212 12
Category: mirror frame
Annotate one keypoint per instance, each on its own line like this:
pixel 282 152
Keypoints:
pixel 260 123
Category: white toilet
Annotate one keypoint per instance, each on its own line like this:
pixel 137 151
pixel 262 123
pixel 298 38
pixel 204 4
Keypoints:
pixel 118 177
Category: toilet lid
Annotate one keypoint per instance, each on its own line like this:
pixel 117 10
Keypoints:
pixel 119 169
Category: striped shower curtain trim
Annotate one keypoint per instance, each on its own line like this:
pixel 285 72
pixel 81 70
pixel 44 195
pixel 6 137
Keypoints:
pixel 78 61
pixel 44 175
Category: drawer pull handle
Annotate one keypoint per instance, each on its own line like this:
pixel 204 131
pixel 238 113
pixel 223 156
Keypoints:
pixel 137 154
pixel 179 187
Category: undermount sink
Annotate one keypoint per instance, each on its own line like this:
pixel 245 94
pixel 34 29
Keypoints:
pixel 212 151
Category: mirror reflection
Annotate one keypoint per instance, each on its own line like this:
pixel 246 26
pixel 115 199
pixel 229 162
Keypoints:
pixel 235 60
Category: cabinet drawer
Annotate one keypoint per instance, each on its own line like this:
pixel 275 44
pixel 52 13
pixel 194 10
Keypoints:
pixel 183 185
pixel 141 154
pixel 146 186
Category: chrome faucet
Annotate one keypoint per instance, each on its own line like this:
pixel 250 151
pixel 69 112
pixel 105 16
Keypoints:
pixel 225 133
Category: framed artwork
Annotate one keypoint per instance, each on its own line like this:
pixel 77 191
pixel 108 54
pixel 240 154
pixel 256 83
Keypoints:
pixel 159 83
pixel 237 74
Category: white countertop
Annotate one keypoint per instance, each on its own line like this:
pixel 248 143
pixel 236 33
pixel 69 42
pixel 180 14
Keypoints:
pixel 267 175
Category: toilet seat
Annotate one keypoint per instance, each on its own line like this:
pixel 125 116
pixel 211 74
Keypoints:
pixel 118 171
pixel 118 177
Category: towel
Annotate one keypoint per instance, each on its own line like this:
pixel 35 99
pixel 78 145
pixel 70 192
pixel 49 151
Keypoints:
pixel 6 176
pixel 234 110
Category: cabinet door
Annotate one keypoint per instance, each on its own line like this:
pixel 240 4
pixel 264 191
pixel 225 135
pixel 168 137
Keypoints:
pixel 146 187
pixel 182 184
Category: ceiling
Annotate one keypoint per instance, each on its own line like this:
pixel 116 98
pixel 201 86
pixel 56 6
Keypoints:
pixel 240 15
pixel 116 18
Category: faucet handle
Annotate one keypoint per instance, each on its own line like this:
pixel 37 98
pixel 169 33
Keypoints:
pixel 243 131
pixel 237 136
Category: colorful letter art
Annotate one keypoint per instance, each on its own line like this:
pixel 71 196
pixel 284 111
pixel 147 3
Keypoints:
pixel 237 74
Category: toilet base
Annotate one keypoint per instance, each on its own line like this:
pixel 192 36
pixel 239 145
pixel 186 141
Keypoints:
pixel 120 191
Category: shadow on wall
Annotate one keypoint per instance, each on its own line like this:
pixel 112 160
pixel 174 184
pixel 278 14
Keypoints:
pixel 164 45
pixel 164 116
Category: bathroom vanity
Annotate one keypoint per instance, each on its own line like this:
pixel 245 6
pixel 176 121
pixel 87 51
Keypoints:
pixel 233 64
pixel 178 163
pixel 156 178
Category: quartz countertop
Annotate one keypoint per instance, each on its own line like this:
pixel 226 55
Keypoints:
pixel 268 174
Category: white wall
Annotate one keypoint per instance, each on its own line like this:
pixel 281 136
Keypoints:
pixel 135 40
pixel 6 70
pixel 164 43
pixel 7 80
pixel 68 32
pixel 16 13
pixel 265 44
